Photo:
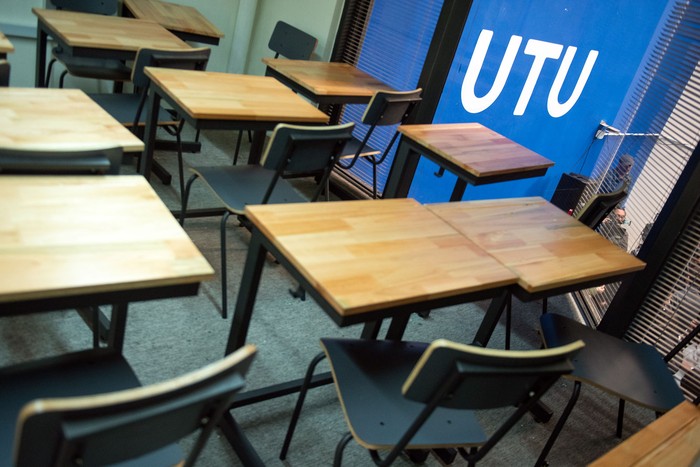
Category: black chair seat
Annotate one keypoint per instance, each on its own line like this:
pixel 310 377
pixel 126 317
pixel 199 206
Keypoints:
pixel 123 107
pixel 369 375
pixel 629 370
pixel 251 182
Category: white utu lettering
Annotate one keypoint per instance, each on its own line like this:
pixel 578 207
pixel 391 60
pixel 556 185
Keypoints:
pixel 541 51
pixel 470 101
pixel 554 107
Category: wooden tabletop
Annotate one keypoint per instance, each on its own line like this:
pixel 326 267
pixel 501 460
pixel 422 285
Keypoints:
pixel 673 440
pixel 475 149
pixel 107 32
pixel 368 255
pixel 67 236
pixel 32 118
pixel 546 248
pixel 173 17
pixel 225 96
pixel 328 79
pixel 5 44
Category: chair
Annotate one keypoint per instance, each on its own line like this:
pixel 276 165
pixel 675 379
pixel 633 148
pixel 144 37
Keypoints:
pixel 629 370
pixel 138 425
pixel 292 151
pixel 4 73
pixel 85 67
pixel 128 109
pixel 385 108
pixel 409 395
pixel 98 161
pixel 291 43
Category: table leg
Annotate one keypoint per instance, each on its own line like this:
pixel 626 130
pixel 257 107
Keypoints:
pixel 256 147
pixel 149 134
pixel 403 169
pixel 491 318
pixel 247 292
pixel 40 67
pixel 458 190
pixel 117 326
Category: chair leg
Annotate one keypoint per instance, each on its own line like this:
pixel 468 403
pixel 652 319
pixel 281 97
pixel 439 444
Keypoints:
pixel 338 458
pixel 620 417
pixel 509 318
pixel 560 424
pixel 224 291
pixel 185 197
pixel 48 71
pixel 62 78
pixel 544 305
pixel 300 402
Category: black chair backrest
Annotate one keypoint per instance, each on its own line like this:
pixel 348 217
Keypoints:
pixel 99 7
pixel 296 150
pixel 4 73
pixel 185 59
pixel 599 206
pixel 479 378
pixel 99 161
pixel 390 107
pixel 291 43
pixel 114 427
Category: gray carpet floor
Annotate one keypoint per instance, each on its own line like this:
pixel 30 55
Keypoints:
pixel 169 337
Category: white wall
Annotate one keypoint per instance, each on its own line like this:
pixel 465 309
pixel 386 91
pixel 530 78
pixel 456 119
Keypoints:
pixel 246 24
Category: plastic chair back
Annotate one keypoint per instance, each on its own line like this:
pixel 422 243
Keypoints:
pixel 291 43
pixel 100 161
pixel 479 378
pixel 119 426
pixel 599 206
pixel 186 59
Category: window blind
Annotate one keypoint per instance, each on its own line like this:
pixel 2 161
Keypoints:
pixel 388 39
pixel 660 130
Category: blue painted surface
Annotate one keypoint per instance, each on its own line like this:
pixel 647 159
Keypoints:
pixel 539 35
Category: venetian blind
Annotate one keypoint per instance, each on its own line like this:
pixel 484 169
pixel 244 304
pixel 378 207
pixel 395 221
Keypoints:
pixel 660 129
pixel 388 39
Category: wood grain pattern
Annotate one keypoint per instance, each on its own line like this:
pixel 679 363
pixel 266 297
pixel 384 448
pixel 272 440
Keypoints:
pixel 66 236
pixel 173 17
pixel 33 118
pixel 673 440
pixel 544 246
pixel 107 32
pixel 328 78
pixel 6 46
pixel 226 96
pixel 477 149
pixel 368 255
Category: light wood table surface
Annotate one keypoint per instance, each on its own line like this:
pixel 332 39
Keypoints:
pixel 186 22
pixel 225 101
pixel 325 82
pixel 550 252
pixel 98 36
pixel 69 239
pixel 37 119
pixel 367 260
pixel 473 152
pixel 6 46
pixel 672 440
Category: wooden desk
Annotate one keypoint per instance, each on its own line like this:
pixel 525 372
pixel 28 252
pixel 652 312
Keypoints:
pixel 673 440
pixel 474 153
pixel 550 252
pixel 32 118
pixel 69 242
pixel 97 36
pixel 185 22
pixel 366 260
pixel 325 82
pixel 224 101
pixel 6 46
